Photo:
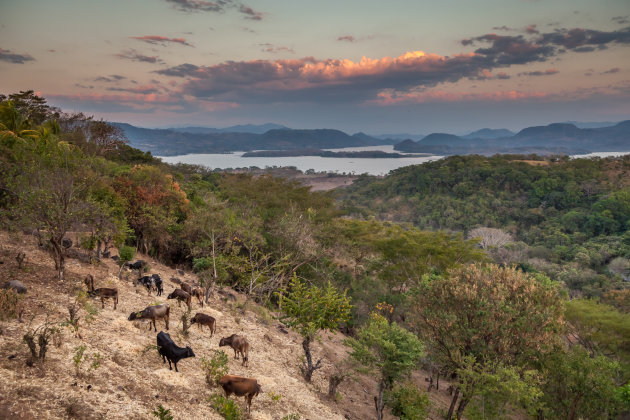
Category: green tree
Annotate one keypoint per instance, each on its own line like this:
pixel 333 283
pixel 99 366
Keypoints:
pixel 386 349
pixel 577 385
pixel 496 316
pixel 601 329
pixel 308 309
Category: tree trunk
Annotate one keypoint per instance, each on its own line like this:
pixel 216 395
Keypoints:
pixel 60 261
pixel 98 250
pixel 462 406
pixel 333 383
pixel 379 404
pixel 309 368
pixel 449 416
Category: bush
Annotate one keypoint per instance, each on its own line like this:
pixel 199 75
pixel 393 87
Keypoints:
pixel 408 402
pixel 215 368
pixel 226 407
pixel 162 413
pixel 9 304
pixel 80 357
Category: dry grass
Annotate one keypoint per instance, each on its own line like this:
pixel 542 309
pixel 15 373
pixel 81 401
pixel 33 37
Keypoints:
pixel 132 380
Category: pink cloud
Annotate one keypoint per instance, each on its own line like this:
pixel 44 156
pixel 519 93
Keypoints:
pixel 348 38
pixel 399 98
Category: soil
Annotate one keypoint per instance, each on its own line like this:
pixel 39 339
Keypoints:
pixel 132 380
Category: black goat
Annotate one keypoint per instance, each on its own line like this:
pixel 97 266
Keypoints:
pixel 171 352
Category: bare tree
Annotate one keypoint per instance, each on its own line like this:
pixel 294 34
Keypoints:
pixel 490 237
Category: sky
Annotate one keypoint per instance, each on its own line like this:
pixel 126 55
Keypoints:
pixel 397 66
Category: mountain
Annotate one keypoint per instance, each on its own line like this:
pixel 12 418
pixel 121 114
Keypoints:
pixel 557 138
pixel 489 133
pixel 246 128
pixel 171 142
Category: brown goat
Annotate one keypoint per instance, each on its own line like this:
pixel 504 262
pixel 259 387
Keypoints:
pixel 186 287
pixel 241 387
pixel 239 344
pixel 181 296
pixel 199 294
pixel 153 313
pixel 102 292
pixel 203 319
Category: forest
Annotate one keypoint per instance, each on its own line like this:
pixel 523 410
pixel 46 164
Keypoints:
pixel 508 275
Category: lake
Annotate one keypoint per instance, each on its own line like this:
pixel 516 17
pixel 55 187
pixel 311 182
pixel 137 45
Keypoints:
pixel 355 166
pixel 323 164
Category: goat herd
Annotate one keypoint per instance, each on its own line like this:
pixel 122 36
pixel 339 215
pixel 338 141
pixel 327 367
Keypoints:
pixel 231 384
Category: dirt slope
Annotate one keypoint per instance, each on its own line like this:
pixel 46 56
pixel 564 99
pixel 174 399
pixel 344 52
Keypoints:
pixel 132 381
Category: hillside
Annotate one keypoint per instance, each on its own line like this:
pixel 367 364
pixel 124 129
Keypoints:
pixel 558 138
pixel 132 381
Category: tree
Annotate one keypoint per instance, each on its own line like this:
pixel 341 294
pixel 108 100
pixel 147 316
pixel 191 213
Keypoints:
pixel 496 316
pixel 577 385
pixel 490 237
pixel 601 329
pixel 387 349
pixel 308 309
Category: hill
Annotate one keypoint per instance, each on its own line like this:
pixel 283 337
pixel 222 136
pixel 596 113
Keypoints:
pixel 558 138
pixel 171 142
pixel 132 380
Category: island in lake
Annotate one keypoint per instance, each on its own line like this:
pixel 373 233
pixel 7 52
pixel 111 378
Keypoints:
pixel 367 154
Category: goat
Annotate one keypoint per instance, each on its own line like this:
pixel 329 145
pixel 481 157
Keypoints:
pixel 186 287
pixel 241 387
pixel 203 319
pixel 153 281
pixel 138 265
pixel 153 313
pixel 181 296
pixel 102 292
pixel 239 344
pixel 199 294
pixel 170 351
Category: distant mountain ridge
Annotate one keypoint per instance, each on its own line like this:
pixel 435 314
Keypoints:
pixel 170 142
pixel 557 138
pixel 244 128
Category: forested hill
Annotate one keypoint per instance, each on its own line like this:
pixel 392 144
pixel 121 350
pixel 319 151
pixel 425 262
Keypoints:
pixel 569 215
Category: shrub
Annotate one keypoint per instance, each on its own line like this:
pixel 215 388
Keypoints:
pixel 162 413
pixel 80 357
pixel 408 402
pixel 215 368
pixel 226 407
pixel 9 304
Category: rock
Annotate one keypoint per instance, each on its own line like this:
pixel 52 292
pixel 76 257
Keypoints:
pixel 16 285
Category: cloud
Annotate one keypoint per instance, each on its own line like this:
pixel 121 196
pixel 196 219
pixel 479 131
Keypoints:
pixel 140 89
pixel 348 38
pixel 272 49
pixel 531 29
pixel 109 79
pixel 508 50
pixel 11 57
pixel 549 72
pixel 621 20
pixel 136 56
pixel 502 28
pixel 183 70
pixel 612 71
pixel 218 6
pixel 250 13
pixel 309 79
pixel 398 98
pixel 199 5
pixel 161 40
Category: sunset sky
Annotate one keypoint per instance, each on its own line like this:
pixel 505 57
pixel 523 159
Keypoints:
pixel 401 66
